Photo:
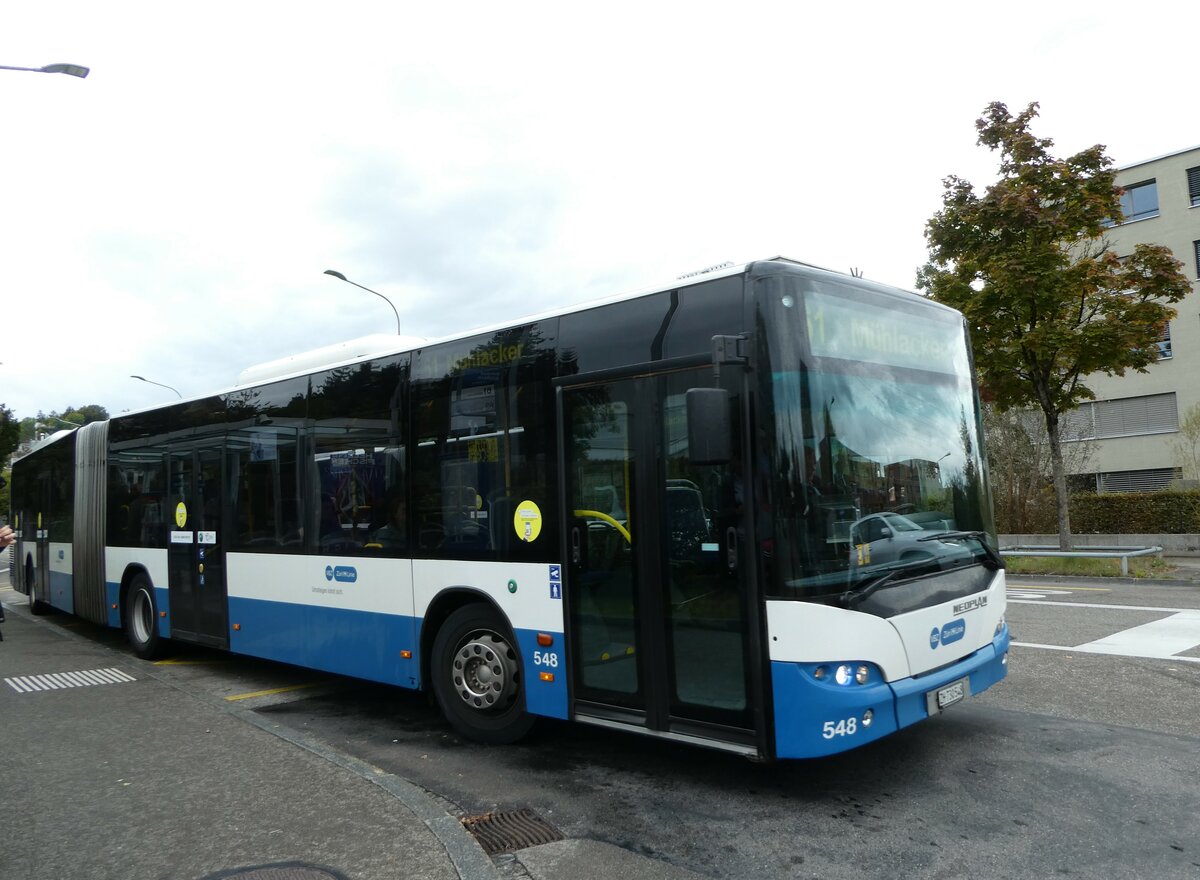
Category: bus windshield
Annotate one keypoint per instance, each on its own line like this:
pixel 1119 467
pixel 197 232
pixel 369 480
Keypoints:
pixel 871 461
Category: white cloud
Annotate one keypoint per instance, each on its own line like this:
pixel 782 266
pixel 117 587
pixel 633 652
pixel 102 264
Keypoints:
pixel 171 215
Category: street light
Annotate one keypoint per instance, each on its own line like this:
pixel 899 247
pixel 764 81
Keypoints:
pixel 342 277
pixel 159 384
pixel 64 421
pixel 70 69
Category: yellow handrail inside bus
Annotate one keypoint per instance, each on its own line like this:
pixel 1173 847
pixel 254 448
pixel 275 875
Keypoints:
pixel 608 519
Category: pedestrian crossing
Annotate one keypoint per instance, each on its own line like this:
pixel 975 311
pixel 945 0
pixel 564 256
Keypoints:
pixel 1174 636
pixel 56 681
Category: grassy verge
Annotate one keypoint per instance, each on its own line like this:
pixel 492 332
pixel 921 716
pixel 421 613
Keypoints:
pixel 1139 567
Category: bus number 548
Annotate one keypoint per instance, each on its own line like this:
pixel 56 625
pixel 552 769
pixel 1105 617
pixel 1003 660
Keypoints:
pixel 545 658
pixel 845 727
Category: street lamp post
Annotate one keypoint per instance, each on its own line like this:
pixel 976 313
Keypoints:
pixel 342 277
pixel 70 69
pixel 64 421
pixel 159 384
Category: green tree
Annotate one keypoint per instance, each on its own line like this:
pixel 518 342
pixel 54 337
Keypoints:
pixel 1047 301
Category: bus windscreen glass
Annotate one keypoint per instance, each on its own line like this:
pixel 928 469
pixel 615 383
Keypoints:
pixel 872 451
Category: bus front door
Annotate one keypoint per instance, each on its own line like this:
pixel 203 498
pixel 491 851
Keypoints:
pixel 658 611
pixel 196 562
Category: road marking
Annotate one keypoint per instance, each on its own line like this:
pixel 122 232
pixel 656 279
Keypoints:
pixel 282 690
pixel 54 681
pixel 1084 650
pixel 1159 638
pixel 1015 593
pixel 1162 639
pixel 1101 605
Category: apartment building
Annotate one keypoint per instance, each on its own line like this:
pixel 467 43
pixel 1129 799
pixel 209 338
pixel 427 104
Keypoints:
pixel 1134 421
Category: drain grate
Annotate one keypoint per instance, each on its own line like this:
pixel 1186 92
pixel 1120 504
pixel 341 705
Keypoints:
pixel 54 681
pixel 508 832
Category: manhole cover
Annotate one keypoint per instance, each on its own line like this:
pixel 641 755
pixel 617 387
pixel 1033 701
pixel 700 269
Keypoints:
pixel 508 832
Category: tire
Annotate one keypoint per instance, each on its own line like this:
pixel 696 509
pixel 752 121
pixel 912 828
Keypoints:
pixel 36 606
pixel 476 672
pixel 141 619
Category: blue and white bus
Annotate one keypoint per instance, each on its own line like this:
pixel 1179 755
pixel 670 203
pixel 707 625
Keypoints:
pixel 749 510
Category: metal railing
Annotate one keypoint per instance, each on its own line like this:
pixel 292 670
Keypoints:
pixel 1122 553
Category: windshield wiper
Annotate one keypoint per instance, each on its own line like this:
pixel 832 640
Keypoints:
pixel 854 596
pixel 992 555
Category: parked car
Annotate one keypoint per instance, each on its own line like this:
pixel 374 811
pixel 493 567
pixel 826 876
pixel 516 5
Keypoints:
pixel 893 537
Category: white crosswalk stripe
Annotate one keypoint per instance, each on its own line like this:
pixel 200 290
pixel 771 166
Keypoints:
pixel 27 684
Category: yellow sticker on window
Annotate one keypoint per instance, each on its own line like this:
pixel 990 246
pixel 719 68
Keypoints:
pixel 527 521
pixel 181 514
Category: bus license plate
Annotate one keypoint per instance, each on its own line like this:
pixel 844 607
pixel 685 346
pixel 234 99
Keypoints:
pixel 947 696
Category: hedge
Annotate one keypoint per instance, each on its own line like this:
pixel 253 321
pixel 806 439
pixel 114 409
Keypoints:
pixel 1120 513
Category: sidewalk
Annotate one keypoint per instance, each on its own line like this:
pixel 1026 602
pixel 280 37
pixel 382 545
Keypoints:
pixel 150 778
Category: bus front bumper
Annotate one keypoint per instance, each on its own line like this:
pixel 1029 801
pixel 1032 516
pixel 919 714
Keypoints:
pixel 815 717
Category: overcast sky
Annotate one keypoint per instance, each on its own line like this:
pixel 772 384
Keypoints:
pixel 172 214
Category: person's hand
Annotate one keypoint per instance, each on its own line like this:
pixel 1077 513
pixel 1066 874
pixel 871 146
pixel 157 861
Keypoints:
pixel 6 536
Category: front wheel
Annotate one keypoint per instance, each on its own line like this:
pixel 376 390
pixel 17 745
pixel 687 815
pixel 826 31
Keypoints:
pixel 476 674
pixel 141 620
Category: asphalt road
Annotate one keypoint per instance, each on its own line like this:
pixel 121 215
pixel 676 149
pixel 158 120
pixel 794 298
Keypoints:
pixel 1082 763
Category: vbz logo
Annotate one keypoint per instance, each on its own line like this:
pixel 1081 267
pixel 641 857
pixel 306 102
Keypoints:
pixel 951 632
pixel 343 574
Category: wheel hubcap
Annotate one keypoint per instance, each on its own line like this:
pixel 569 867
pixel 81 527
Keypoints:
pixel 484 672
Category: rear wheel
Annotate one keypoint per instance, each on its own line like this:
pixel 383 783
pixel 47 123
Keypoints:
pixel 476 674
pixel 141 619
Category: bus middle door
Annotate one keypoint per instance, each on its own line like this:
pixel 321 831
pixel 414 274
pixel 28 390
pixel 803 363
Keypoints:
pixel 196 561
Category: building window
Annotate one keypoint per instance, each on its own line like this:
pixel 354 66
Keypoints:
pixel 1139 201
pixel 1196 248
pixel 1193 175
pixel 1125 417
pixel 1164 344
pixel 1152 480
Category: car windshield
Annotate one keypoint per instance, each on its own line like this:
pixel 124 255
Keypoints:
pixel 870 437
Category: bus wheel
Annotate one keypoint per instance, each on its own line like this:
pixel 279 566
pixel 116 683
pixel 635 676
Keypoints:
pixel 36 606
pixel 141 619
pixel 477 677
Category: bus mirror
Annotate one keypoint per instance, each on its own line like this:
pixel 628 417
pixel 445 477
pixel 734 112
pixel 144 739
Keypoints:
pixel 710 427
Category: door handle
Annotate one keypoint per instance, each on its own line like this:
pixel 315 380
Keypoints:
pixel 731 552
pixel 576 546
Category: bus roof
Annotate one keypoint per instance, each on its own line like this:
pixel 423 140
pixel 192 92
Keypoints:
pixel 354 351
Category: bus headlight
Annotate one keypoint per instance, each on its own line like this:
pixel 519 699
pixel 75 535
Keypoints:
pixel 844 674
pixel 1000 625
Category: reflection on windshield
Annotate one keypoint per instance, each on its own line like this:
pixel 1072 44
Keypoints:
pixel 868 465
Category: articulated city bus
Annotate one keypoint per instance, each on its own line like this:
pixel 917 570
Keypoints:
pixel 749 510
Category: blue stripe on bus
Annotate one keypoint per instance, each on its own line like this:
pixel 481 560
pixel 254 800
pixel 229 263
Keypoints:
pixel 546 697
pixel 112 592
pixel 62 591
pixel 361 644
pixel 815 718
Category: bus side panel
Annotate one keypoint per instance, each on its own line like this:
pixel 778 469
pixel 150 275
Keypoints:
pixel 62 589
pixel 351 616
pixel 117 561
pixel 530 596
